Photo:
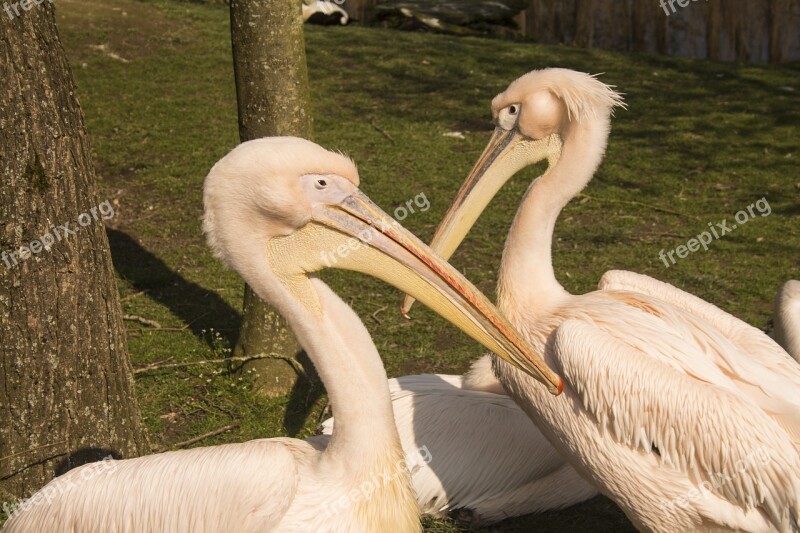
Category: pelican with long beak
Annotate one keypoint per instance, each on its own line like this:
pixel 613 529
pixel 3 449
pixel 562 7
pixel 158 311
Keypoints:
pixel 687 417
pixel 273 208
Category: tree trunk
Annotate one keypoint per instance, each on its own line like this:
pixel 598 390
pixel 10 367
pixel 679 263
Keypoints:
pixel 269 59
pixel 67 394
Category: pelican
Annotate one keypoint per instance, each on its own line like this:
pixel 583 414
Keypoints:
pixel 272 206
pixel 787 318
pixel 516 471
pixel 486 460
pixel 325 13
pixel 688 418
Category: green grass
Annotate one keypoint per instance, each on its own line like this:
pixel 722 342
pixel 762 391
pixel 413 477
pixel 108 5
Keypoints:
pixel 698 142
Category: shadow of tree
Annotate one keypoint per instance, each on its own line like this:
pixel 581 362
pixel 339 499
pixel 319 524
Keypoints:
pixel 196 306
pixel 202 310
pixel 306 391
pixel 84 456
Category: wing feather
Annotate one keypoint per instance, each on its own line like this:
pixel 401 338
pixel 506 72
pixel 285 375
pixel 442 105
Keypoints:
pixel 755 364
pixel 645 403
pixel 477 450
pixel 244 487
pixel 748 339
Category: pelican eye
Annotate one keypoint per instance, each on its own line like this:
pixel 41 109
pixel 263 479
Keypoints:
pixel 508 116
pixel 321 184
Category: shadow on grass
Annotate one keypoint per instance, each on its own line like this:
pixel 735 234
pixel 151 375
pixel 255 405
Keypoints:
pixel 196 306
pixel 203 310
pixel 85 456
pixel 305 393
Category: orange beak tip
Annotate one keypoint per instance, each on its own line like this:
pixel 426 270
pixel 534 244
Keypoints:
pixel 404 312
pixel 560 387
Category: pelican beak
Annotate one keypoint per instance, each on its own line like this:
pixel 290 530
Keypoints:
pixel 378 246
pixel 508 152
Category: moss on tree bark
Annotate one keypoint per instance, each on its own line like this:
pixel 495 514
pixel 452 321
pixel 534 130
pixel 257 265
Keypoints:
pixel 67 394
pixel 272 91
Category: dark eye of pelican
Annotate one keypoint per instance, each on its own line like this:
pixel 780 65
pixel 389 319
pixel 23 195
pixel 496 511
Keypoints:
pixel 321 184
pixel 512 109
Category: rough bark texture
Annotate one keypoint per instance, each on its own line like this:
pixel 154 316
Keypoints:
pixel 66 387
pixel 269 59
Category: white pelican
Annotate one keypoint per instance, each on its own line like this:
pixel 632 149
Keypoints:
pixel 272 206
pixel 787 318
pixel 324 12
pixel 486 460
pixel 688 418
pixel 472 421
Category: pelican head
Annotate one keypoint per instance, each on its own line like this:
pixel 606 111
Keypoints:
pixel 534 115
pixel 533 118
pixel 280 209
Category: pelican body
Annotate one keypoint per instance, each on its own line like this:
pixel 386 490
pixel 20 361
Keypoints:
pixel 787 318
pixel 325 13
pixel 272 206
pixel 688 418
pixel 486 461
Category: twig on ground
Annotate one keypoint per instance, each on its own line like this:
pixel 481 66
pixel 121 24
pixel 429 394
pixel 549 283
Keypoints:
pixel 657 234
pixel 381 130
pixel 641 204
pixel 204 436
pixel 239 359
pixel 375 314
pixel 156 364
pixel 142 320
pixel 218 407
pixel 130 296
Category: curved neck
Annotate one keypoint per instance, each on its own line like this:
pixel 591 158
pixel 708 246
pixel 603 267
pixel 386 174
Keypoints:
pixel 526 275
pixel 341 349
pixel 364 444
pixel 351 369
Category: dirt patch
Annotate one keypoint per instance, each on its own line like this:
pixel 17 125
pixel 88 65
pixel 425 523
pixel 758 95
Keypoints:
pixel 128 30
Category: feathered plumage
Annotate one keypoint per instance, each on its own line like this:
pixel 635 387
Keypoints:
pixel 482 453
pixel 686 417
pixel 272 207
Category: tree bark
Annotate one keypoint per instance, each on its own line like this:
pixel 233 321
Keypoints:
pixel 67 394
pixel 269 60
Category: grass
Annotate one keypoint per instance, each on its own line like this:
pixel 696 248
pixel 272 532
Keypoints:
pixel 699 142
